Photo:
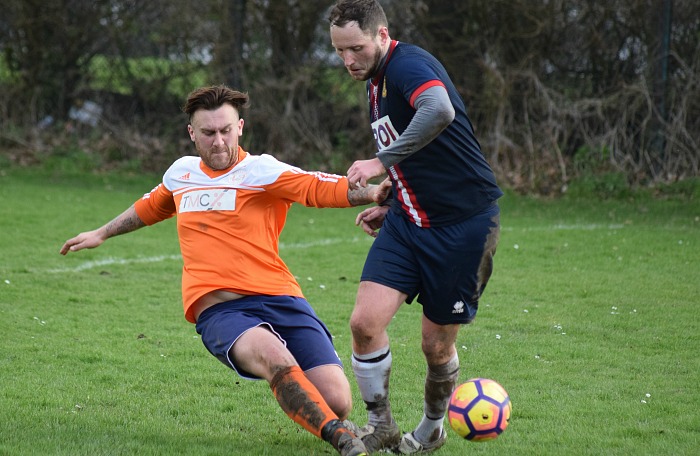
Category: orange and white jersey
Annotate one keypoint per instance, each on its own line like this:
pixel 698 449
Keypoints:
pixel 229 221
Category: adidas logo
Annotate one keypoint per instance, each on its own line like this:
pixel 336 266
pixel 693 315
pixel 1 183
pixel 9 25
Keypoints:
pixel 458 307
pixel 185 177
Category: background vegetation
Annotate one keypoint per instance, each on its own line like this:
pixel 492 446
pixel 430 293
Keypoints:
pixel 560 91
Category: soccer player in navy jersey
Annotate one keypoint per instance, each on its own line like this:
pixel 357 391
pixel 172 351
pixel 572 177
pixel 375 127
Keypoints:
pixel 438 233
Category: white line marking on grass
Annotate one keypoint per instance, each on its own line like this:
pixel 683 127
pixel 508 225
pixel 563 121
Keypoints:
pixel 110 260
pixel 160 258
pixel 589 227
pixel 562 227
pixel 318 243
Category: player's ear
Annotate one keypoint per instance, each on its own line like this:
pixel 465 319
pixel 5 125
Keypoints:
pixel 190 130
pixel 383 33
pixel 240 127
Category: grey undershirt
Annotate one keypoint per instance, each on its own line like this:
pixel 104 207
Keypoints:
pixel 434 112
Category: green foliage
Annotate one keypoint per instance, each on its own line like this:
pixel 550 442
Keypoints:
pixel 6 76
pixel 604 185
pixel 684 189
pixel 560 75
pixel 588 160
pixel 116 75
pixel 71 158
pixel 595 176
pixel 589 322
pixel 341 89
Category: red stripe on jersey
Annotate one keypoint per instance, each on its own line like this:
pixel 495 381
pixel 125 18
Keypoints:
pixel 408 199
pixel 423 88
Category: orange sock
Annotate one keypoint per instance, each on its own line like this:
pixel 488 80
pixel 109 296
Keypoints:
pixel 300 400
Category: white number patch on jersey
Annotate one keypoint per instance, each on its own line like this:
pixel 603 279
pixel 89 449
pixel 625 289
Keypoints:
pixel 384 132
pixel 214 199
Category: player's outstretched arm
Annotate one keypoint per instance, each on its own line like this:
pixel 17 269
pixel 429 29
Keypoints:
pixel 370 193
pixel 126 222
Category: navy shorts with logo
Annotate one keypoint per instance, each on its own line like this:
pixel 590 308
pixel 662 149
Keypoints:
pixel 445 267
pixel 290 318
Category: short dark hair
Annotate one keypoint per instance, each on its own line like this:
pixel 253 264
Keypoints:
pixel 213 97
pixel 368 14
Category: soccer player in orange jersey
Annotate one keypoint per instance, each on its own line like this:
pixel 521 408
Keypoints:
pixel 231 207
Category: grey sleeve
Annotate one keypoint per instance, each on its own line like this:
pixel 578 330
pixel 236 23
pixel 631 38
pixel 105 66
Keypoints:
pixel 434 112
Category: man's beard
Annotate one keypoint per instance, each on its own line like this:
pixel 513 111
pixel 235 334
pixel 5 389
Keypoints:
pixel 374 69
pixel 215 155
pixel 377 61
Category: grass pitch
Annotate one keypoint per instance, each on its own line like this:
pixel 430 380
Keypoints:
pixel 590 322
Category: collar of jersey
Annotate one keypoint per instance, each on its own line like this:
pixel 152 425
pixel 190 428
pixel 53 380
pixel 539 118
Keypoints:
pixel 380 74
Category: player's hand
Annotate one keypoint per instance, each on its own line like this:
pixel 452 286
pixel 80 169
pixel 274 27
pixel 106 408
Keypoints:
pixel 382 191
pixel 363 170
pixel 371 219
pixel 86 240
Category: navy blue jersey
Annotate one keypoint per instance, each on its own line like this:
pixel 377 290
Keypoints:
pixel 448 180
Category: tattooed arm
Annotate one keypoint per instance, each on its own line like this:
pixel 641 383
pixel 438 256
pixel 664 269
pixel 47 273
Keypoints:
pixel 126 222
pixel 369 194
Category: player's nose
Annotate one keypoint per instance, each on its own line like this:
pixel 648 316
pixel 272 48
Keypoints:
pixel 348 60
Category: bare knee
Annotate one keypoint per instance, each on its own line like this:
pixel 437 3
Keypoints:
pixel 261 353
pixel 334 387
pixel 362 328
pixel 374 309
pixel 437 352
pixel 341 404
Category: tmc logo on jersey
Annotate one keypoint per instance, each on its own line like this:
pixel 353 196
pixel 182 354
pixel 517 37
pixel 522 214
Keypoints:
pixel 384 132
pixel 216 199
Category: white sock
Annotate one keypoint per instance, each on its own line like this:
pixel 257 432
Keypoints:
pixel 428 430
pixel 372 374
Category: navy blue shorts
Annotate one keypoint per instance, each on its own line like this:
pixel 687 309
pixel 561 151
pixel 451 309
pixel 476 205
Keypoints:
pixel 445 267
pixel 290 318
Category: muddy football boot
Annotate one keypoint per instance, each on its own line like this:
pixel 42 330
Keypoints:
pixel 410 445
pixel 384 436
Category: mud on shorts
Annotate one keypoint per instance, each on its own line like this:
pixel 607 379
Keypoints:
pixel 445 267
pixel 290 318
